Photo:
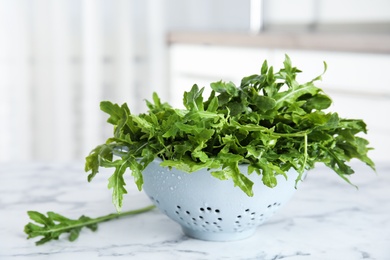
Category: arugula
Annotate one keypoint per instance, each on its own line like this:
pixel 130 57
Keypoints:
pixel 52 225
pixel 270 121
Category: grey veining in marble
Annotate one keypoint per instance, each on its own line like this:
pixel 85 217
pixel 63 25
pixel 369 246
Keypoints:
pixel 326 219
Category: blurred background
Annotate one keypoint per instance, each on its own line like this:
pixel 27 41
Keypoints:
pixel 60 58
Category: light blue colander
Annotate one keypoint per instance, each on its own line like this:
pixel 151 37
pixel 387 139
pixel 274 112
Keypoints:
pixel 210 209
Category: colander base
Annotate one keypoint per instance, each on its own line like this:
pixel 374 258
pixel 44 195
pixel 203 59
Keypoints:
pixel 218 236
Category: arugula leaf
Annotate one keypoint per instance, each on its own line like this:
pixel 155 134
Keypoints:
pixel 188 165
pixel 194 99
pixel 53 225
pixel 117 183
pixel 113 110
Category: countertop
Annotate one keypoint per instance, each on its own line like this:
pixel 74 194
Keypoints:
pixel 326 219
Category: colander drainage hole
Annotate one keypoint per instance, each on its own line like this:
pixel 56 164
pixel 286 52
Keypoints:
pixel 209 209
pixel 277 204
pixel 253 215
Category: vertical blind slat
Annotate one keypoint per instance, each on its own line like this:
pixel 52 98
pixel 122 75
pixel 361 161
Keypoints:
pixel 21 75
pixel 63 90
pixel 157 53
pixel 42 82
pixel 92 84
pixel 5 134
pixel 123 52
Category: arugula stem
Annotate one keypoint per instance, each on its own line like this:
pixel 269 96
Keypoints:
pixel 297 134
pixel 119 215
pixel 305 156
pixel 104 218
pixel 142 146
pixel 305 153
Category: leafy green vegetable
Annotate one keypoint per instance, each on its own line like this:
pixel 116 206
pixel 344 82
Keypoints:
pixel 270 121
pixel 52 225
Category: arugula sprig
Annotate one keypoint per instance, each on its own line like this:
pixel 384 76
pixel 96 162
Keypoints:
pixel 270 121
pixel 52 225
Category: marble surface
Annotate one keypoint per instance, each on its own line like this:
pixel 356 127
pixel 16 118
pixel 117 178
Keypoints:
pixel 326 219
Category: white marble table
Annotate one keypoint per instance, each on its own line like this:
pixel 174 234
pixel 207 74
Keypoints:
pixel 326 219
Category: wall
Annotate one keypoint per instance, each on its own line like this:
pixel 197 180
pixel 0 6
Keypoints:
pixel 327 11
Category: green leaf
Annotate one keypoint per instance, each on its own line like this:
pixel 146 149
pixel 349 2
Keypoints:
pixel 264 103
pixel 239 179
pixel 156 100
pixel 40 218
pixel 186 164
pixel 222 174
pixel 242 181
pixel 193 99
pixel 117 183
pixel 318 102
pixel 143 124
pixel 213 106
pixel 136 169
pixel 269 178
pixel 114 110
pixel 74 234
pixel 264 67
pixel 291 96
pixel 225 87
pixel 56 217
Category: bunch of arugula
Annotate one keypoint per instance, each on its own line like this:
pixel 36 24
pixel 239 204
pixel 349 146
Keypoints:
pixel 270 122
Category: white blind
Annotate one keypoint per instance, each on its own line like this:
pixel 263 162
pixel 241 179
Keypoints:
pixel 15 74
pixel 59 59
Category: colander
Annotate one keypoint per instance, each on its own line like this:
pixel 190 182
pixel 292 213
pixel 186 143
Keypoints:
pixel 211 209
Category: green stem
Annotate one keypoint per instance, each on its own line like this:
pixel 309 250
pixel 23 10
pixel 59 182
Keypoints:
pixel 305 156
pixel 99 219
pixel 305 153
pixel 123 214
pixel 297 134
